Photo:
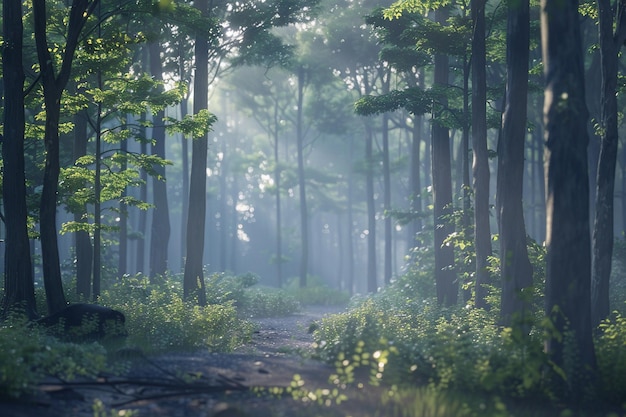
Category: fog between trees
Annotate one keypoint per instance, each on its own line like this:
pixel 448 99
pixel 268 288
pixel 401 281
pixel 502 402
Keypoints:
pixel 302 184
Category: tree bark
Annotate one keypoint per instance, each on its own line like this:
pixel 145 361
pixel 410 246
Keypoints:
pixel 53 86
pixel 516 270
pixel 610 44
pixel 568 260
pixel 445 274
pixel 160 228
pixel 388 270
pixel 82 240
pixel 304 214
pixel 19 289
pixel 482 230
pixel 279 216
pixel 193 286
pixel 372 281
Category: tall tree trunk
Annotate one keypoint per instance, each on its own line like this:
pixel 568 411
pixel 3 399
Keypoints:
pixel 19 289
pixel 415 181
pixel 143 215
pixel 350 237
pixel 53 86
pixel 279 220
pixel 482 230
pixel 82 240
pixel 304 215
pixel 610 44
pixel 445 274
pixel 193 280
pixel 122 267
pixel 516 270
pixel 160 229
pixel 97 206
pixel 185 187
pixel 372 281
pixel 387 186
pixel 467 223
pixel 568 261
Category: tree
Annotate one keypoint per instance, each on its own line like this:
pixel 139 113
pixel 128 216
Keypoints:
pixel 445 275
pixel 516 271
pixel 160 229
pixel 611 41
pixel 19 290
pixel 53 87
pixel 482 231
pixel 568 259
pixel 194 276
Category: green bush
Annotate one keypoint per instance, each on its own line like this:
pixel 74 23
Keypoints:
pixel 267 302
pixel 461 348
pixel 27 354
pixel 158 319
pixel 316 293
pixel 611 357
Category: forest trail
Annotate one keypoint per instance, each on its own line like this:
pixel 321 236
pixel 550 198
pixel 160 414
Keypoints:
pixel 197 383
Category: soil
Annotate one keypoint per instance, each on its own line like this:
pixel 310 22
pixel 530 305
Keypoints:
pixel 201 383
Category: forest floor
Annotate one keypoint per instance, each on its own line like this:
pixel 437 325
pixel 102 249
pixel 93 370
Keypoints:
pixel 205 384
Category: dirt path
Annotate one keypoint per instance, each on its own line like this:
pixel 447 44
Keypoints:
pixel 200 383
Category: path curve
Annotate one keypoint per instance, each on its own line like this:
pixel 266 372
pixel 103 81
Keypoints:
pixel 280 348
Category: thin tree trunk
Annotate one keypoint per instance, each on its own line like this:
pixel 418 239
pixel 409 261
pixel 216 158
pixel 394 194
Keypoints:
pixel 123 235
pixel 279 220
pixel 160 229
pixel 610 44
pixel 304 215
pixel 445 274
pixel 53 86
pixel 482 230
pixel 372 281
pixel 143 215
pixel 82 239
pixel 387 186
pixel 194 286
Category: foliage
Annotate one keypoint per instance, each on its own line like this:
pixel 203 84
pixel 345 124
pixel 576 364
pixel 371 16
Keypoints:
pixel 316 292
pixel 158 319
pixel 27 354
pixel 611 355
pixel 268 302
pixel 461 348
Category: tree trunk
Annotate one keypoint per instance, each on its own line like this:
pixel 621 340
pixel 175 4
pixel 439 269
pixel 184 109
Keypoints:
pixel 193 286
pixel 279 220
pixel 372 281
pixel 482 230
pixel 160 229
pixel 82 240
pixel 388 270
pixel 610 44
pixel 445 275
pixel 123 235
pixel 19 290
pixel 304 215
pixel 516 270
pixel 53 86
pixel 568 261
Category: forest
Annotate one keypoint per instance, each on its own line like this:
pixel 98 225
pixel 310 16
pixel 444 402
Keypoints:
pixel 451 171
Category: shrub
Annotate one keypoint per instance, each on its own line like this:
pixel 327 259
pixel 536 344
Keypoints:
pixel 27 354
pixel 316 293
pixel 611 357
pixel 461 348
pixel 268 302
pixel 158 319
